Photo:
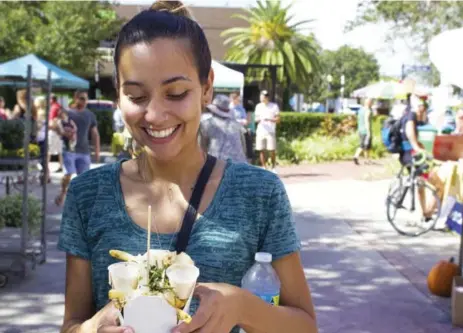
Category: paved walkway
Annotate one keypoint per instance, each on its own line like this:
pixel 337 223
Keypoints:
pixel 364 277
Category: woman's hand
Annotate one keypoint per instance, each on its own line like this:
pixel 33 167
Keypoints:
pixel 107 321
pixel 218 312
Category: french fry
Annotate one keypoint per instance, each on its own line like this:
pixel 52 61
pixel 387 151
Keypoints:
pixel 116 294
pixel 118 298
pixel 179 303
pixel 121 255
pixel 183 316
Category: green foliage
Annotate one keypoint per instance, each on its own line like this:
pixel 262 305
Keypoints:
pixel 333 138
pixel 11 212
pixel 105 125
pixel 416 21
pixel 359 68
pixel 12 134
pixel 272 39
pixel 301 125
pixel 66 33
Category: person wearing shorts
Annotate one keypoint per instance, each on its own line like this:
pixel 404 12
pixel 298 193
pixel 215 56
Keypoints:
pixel 364 116
pixel 76 155
pixel 267 116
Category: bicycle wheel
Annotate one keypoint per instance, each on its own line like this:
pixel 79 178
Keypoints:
pixel 404 211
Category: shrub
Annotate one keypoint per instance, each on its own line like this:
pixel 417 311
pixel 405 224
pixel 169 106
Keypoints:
pixel 301 125
pixel 105 125
pixel 12 134
pixel 334 139
pixel 11 212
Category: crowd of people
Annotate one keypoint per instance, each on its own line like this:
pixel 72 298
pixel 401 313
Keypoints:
pixel 68 132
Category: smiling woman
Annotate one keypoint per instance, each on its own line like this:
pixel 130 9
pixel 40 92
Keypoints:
pixel 164 80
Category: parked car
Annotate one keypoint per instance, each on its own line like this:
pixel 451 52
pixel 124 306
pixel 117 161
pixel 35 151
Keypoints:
pixel 96 105
pixel 351 109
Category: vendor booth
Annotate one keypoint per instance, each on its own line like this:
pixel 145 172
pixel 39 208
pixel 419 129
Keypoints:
pixel 30 72
pixel 226 79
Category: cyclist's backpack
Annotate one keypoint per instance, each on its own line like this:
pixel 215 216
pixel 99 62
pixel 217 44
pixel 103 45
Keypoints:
pixel 391 135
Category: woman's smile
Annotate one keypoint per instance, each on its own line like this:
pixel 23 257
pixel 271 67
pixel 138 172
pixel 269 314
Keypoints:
pixel 161 136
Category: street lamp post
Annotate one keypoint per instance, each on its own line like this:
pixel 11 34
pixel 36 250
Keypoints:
pixel 329 79
pixel 343 81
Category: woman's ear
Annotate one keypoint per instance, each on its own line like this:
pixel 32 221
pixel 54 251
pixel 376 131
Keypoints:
pixel 208 89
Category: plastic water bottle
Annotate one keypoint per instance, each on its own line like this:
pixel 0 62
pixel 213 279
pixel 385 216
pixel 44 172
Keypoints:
pixel 262 280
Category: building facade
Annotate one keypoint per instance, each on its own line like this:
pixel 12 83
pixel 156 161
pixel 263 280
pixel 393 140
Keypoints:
pixel 213 20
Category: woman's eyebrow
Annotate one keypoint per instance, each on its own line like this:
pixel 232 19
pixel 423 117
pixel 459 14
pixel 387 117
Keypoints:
pixel 165 82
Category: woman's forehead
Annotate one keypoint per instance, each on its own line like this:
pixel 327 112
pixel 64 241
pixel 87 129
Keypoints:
pixel 157 61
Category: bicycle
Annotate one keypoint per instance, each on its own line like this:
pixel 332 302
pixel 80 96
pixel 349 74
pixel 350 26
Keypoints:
pixel 410 183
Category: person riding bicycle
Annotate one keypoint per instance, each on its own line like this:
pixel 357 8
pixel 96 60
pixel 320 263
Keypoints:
pixel 411 148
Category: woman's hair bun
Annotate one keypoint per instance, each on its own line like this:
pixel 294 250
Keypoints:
pixel 173 7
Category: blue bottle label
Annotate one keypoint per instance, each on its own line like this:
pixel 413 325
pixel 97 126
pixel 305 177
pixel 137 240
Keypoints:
pixel 273 299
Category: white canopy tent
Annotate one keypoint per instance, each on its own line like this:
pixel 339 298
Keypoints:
pixel 445 52
pixel 227 79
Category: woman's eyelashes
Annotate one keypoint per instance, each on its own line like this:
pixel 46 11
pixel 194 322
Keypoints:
pixel 173 97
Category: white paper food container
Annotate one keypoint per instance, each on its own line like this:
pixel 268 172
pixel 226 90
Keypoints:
pixel 124 276
pixel 183 279
pixel 151 314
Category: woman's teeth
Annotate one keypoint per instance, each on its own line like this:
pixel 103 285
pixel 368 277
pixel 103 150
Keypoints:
pixel 162 133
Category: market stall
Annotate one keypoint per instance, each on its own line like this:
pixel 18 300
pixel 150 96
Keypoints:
pixel 29 72
pixel 227 79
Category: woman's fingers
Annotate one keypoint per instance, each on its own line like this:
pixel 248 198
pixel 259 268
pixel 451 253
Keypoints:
pixel 211 326
pixel 114 329
pixel 197 321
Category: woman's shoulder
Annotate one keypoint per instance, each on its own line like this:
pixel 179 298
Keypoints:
pixel 253 180
pixel 89 181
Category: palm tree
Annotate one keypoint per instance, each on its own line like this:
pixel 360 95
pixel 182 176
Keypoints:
pixel 271 39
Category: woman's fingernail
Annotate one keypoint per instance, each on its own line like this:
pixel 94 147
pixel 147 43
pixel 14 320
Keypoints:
pixel 128 330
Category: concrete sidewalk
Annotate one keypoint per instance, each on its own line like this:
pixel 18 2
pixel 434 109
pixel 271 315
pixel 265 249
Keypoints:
pixel 364 277
pixel 359 269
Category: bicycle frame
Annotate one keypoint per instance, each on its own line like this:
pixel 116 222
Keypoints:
pixel 409 186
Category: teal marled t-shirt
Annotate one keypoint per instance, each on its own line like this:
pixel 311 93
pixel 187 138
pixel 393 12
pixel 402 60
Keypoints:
pixel 249 213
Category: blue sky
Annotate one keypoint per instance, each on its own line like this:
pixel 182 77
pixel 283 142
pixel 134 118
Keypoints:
pixel 329 18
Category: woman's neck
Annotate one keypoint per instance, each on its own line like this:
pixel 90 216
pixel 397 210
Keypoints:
pixel 183 169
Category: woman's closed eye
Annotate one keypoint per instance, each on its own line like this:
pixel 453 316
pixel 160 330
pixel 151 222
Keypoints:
pixel 177 97
pixel 136 99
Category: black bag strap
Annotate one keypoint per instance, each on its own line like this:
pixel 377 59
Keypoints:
pixel 192 210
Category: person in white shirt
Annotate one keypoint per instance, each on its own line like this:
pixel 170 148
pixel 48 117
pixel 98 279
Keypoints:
pixel 267 115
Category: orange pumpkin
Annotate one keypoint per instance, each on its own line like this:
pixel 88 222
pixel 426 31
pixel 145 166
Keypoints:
pixel 440 278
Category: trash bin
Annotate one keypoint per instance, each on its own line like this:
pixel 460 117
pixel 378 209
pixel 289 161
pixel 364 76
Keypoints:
pixel 427 135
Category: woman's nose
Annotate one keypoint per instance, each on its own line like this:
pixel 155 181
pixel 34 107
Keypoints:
pixel 156 112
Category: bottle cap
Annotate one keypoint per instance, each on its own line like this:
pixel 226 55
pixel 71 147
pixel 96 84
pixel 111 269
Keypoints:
pixel 263 257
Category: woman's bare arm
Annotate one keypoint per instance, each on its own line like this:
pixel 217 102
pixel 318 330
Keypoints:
pixel 412 136
pixel 296 312
pixel 78 305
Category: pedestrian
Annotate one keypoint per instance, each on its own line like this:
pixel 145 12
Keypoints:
pixel 221 135
pixel 267 115
pixel 242 117
pixel 3 111
pixel 364 117
pixel 78 160
pixel 55 144
pixel 164 80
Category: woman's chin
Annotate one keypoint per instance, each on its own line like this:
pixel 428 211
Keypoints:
pixel 161 154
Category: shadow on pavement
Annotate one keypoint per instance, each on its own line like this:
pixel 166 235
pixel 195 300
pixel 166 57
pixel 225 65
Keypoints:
pixel 355 289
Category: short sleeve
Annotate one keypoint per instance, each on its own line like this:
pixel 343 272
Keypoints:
pixel 93 122
pixel 277 109
pixel 72 238
pixel 280 236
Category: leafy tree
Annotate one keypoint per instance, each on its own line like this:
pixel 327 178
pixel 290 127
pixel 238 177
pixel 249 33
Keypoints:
pixel 272 39
pixel 66 33
pixel 358 67
pixel 416 21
